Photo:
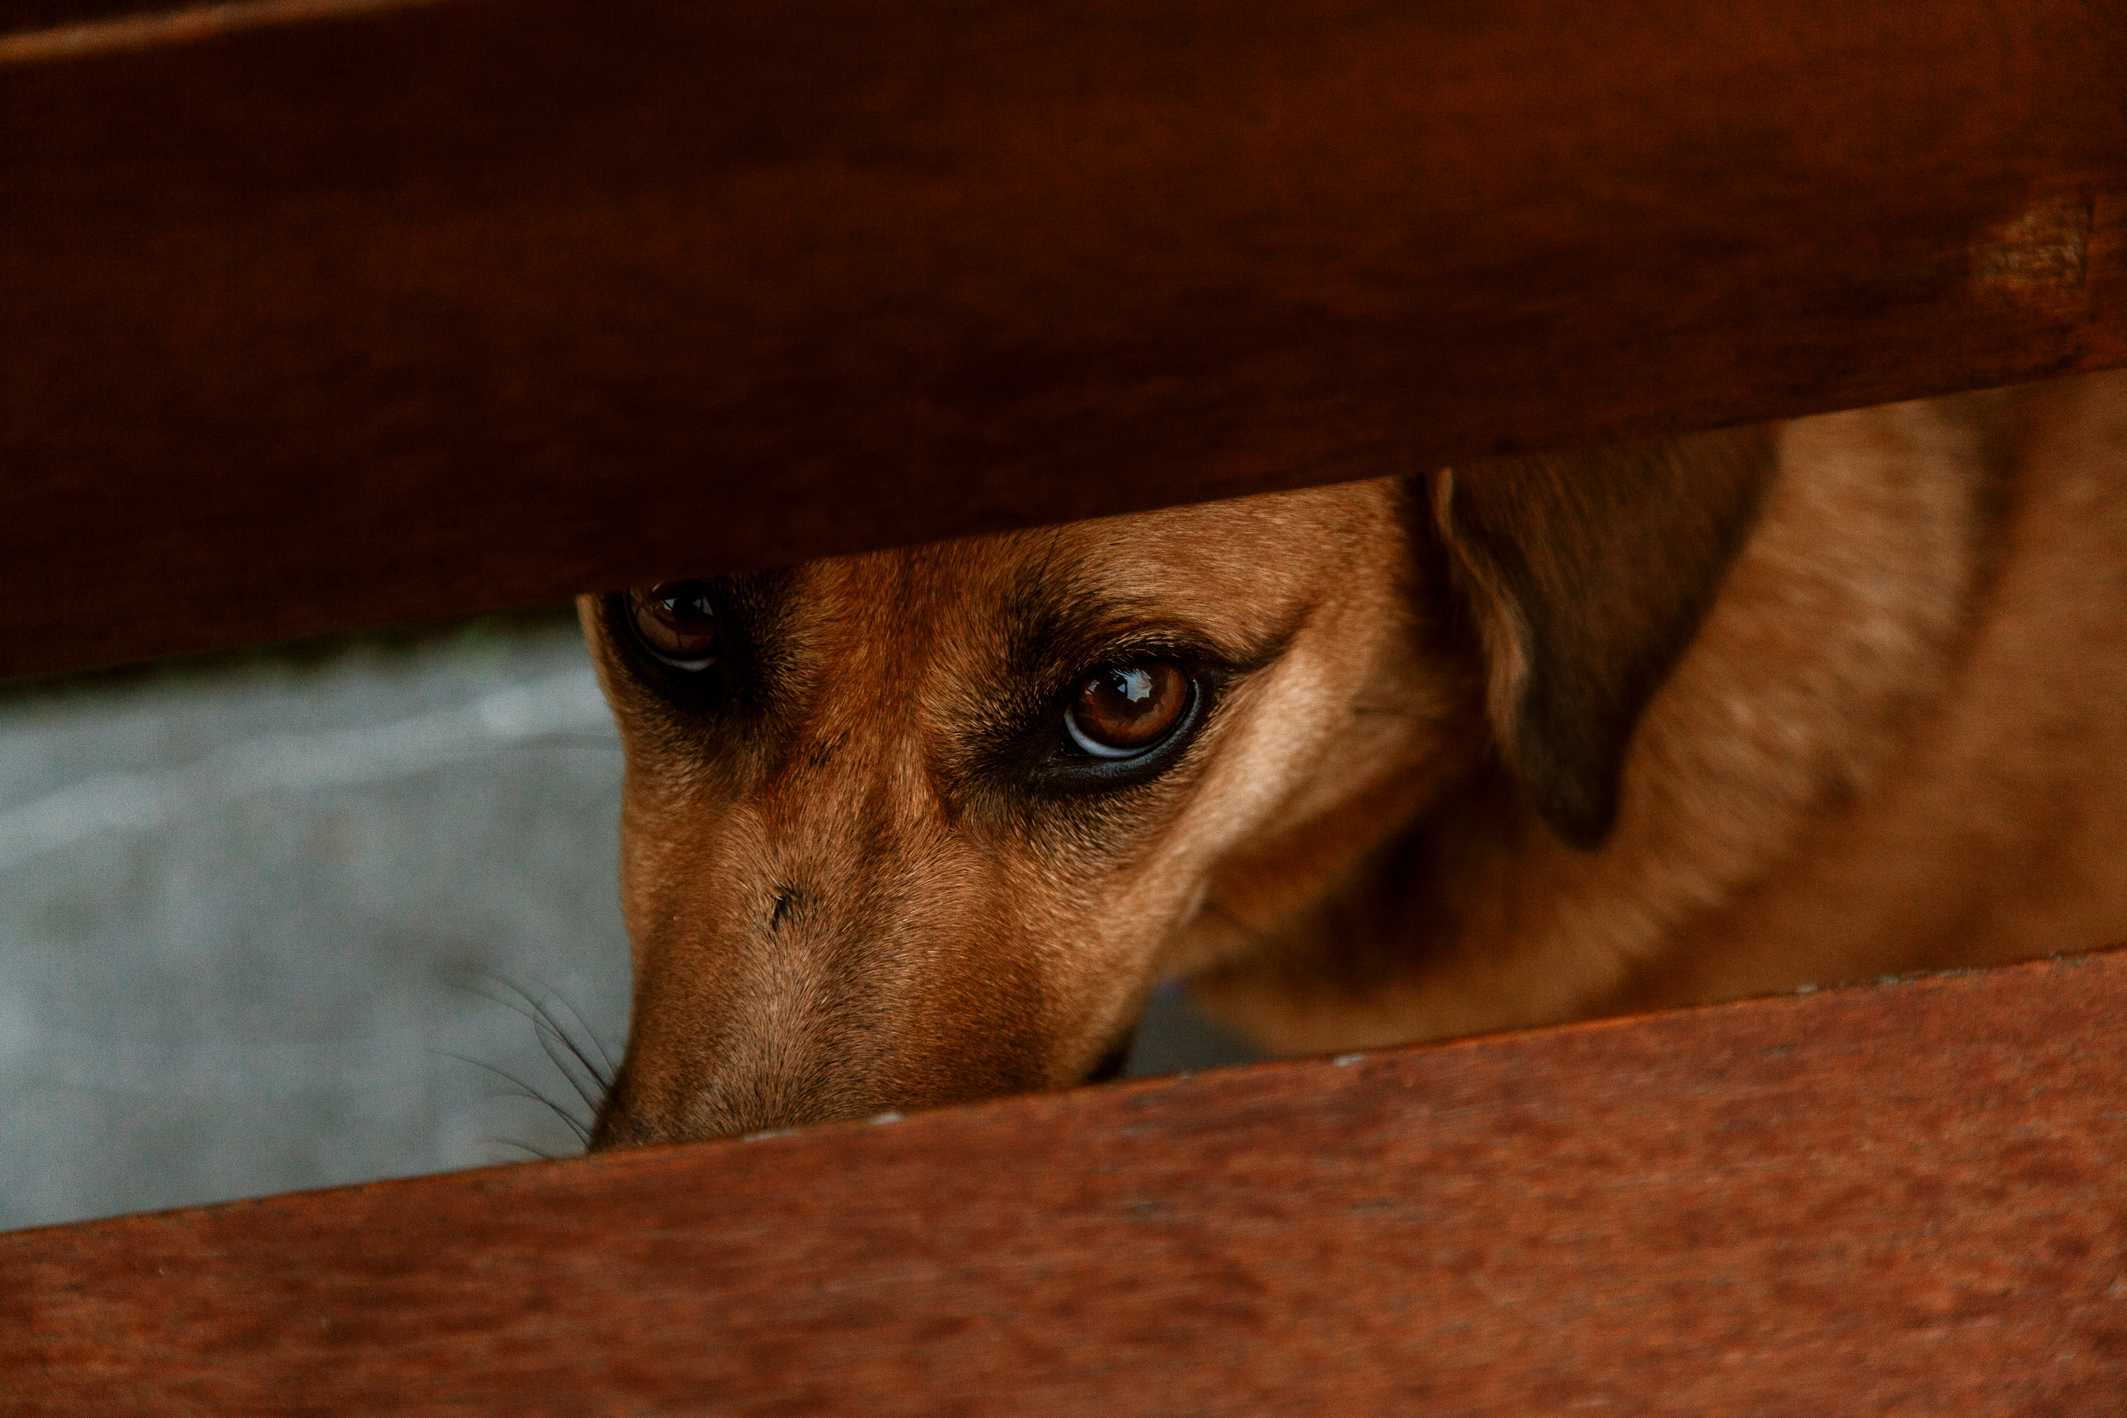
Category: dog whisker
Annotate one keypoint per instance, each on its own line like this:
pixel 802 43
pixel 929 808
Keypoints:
pixel 546 1023
pixel 548 1035
pixel 603 1075
pixel 525 1090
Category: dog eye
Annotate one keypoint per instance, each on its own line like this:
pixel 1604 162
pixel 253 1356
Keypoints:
pixel 676 623
pixel 1123 710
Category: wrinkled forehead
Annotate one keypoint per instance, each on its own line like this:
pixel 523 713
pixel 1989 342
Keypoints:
pixel 1229 575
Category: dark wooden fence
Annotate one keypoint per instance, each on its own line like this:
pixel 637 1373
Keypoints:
pixel 319 315
pixel 452 305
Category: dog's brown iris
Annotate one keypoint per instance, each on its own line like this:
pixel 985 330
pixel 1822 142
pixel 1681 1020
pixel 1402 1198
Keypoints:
pixel 677 622
pixel 1124 708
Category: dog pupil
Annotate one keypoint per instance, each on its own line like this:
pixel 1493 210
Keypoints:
pixel 689 606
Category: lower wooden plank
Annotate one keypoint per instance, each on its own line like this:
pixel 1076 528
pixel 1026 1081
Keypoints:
pixel 1905 1198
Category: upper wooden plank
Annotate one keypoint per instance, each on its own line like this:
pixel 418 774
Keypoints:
pixel 320 324
pixel 1896 1199
pixel 42 16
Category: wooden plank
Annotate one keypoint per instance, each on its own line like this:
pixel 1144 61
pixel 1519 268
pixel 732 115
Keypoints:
pixel 1905 1198
pixel 32 30
pixel 423 309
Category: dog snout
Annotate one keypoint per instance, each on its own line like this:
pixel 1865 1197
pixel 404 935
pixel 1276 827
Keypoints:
pixel 819 999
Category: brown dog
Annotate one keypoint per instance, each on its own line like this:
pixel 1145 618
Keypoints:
pixel 1379 762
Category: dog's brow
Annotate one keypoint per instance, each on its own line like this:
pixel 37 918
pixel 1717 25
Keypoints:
pixel 1050 624
pixel 759 593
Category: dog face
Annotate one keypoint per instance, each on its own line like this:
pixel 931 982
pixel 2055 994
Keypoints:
pixel 919 826
pixel 923 826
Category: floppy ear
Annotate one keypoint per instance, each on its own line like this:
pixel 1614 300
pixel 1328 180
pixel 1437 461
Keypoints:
pixel 1586 575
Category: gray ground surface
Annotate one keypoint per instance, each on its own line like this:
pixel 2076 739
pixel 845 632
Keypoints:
pixel 259 927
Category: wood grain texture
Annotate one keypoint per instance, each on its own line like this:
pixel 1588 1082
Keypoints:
pixel 319 325
pixel 1906 1198
pixel 18 16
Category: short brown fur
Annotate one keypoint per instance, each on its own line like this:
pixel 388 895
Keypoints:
pixel 1494 747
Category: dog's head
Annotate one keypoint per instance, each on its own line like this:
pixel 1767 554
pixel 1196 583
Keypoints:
pixel 923 826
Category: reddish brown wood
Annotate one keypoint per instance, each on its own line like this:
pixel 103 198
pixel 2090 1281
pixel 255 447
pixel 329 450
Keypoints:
pixel 1907 1198
pixel 325 324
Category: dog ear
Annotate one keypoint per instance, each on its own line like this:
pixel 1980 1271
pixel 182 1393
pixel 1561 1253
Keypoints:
pixel 1586 575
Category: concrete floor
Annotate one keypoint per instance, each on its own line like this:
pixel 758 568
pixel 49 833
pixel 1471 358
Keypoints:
pixel 262 927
